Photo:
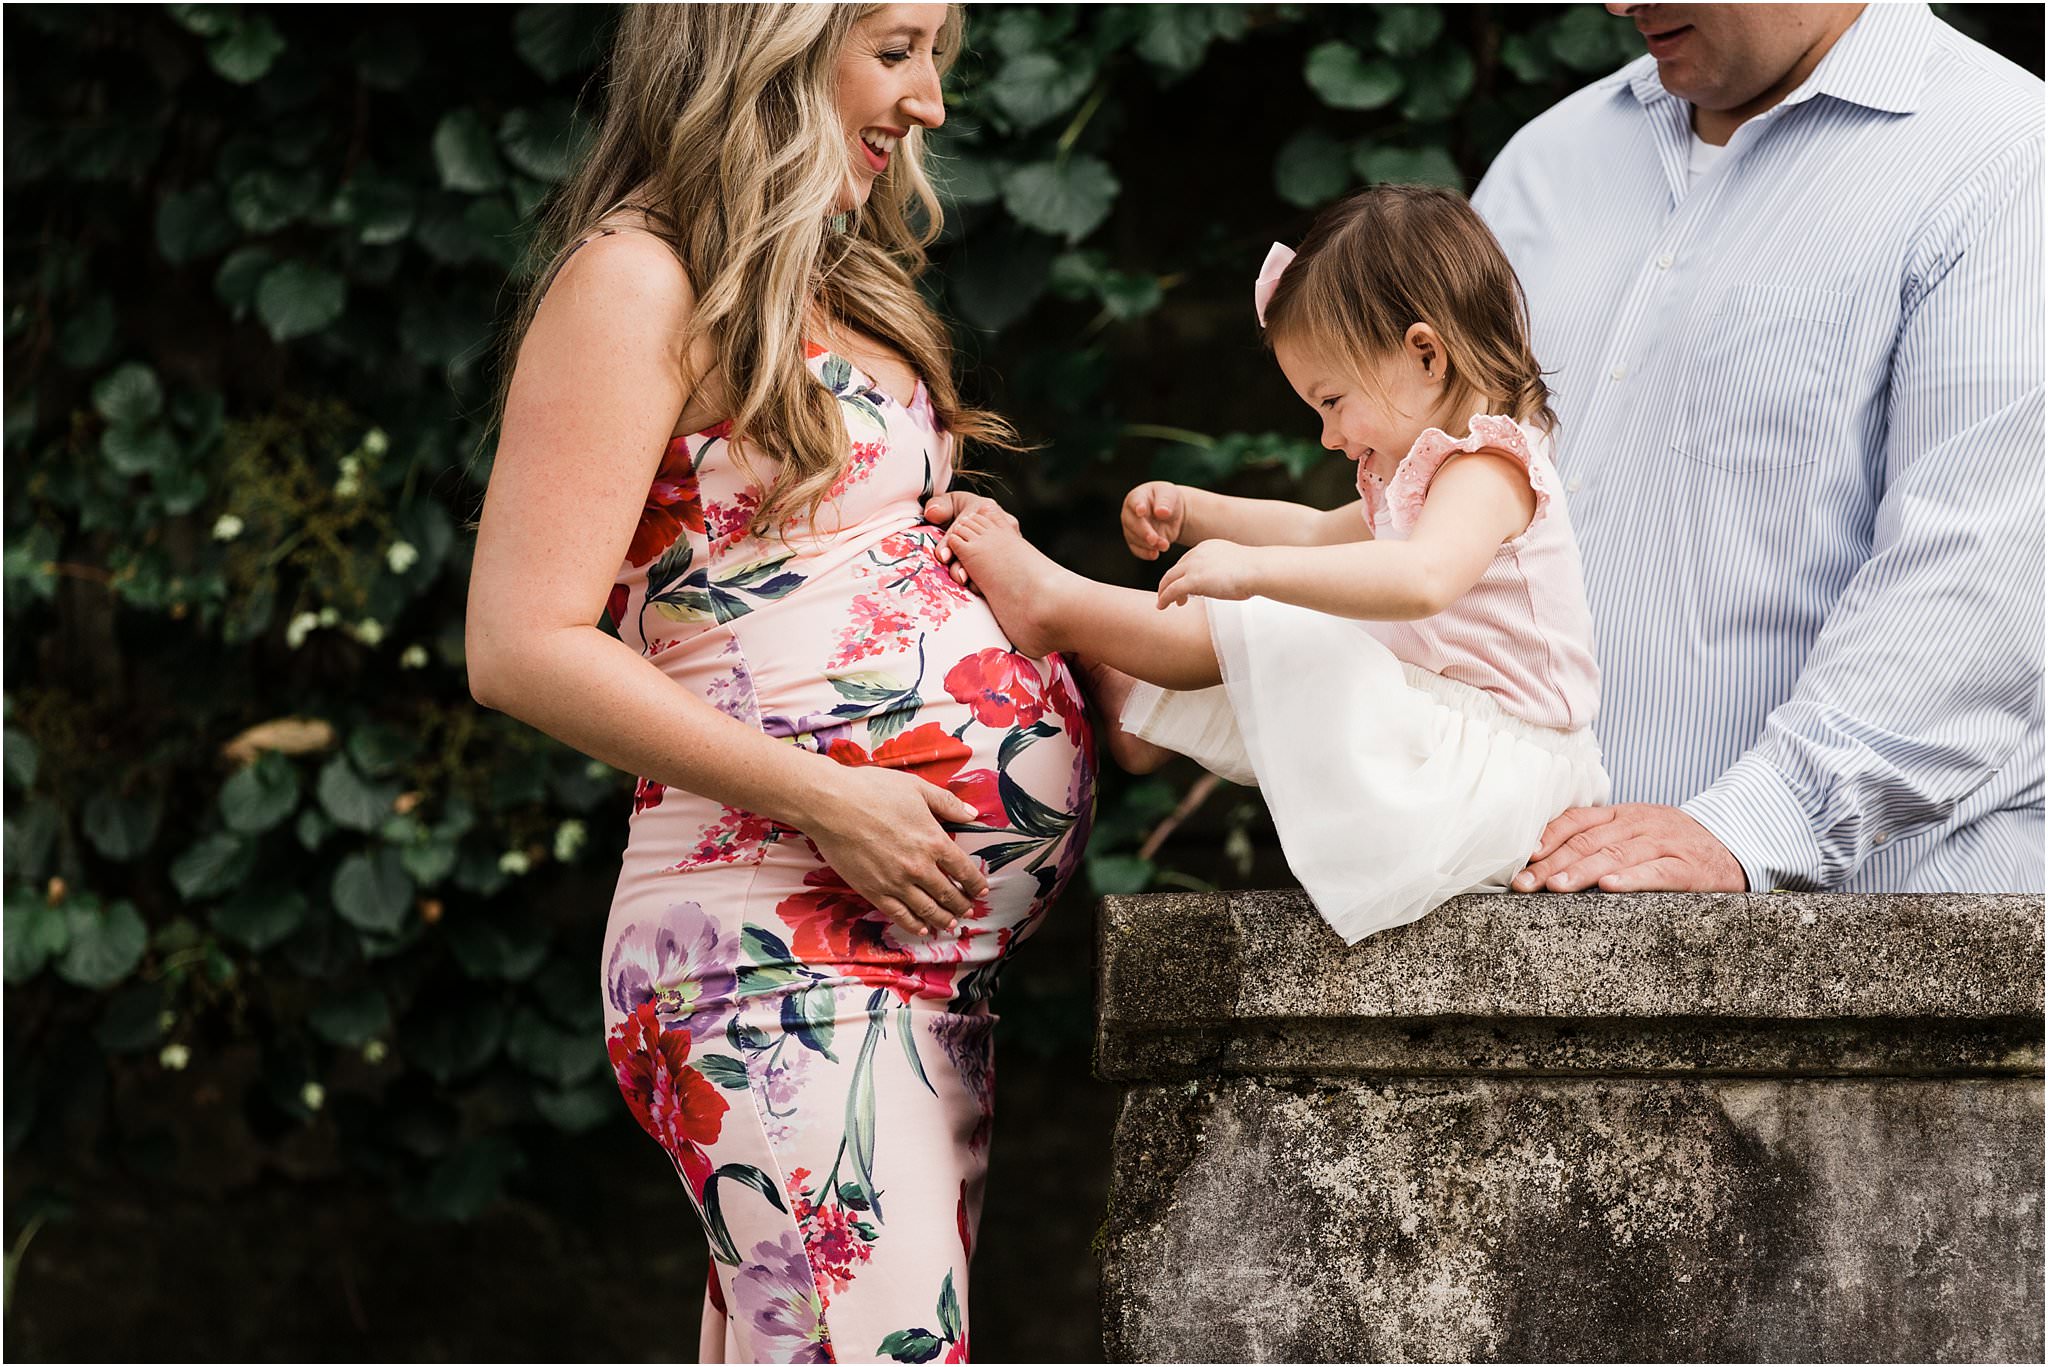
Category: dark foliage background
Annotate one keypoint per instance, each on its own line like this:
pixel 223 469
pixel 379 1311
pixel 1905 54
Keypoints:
pixel 303 1042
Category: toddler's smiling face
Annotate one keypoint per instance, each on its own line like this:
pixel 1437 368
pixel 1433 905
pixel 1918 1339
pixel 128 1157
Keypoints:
pixel 1372 412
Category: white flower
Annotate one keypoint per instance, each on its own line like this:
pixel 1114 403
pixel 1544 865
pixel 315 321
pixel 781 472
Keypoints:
pixel 351 483
pixel 165 1020
pixel 569 838
pixel 375 442
pixel 375 1051
pixel 402 556
pixel 301 627
pixel 415 657
pixel 369 631
pixel 313 1094
pixel 329 615
pixel 174 1056
pixel 514 862
pixel 227 527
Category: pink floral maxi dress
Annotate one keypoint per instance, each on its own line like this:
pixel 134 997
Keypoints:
pixel 822 1081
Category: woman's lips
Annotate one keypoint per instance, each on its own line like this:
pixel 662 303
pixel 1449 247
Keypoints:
pixel 877 161
pixel 1663 45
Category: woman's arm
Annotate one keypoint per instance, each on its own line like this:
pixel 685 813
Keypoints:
pixel 593 400
pixel 1476 502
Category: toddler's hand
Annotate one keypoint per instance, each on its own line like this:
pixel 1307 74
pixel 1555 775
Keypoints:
pixel 1153 514
pixel 1214 569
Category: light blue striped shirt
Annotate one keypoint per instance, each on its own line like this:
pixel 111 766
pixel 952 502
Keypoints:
pixel 1802 439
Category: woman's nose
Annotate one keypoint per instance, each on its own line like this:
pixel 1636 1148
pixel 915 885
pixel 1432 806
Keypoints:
pixel 1333 440
pixel 926 105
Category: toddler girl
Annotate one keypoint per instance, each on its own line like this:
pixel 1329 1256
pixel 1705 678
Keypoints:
pixel 1408 679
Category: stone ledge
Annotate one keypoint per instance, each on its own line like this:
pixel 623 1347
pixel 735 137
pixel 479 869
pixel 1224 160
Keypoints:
pixel 1704 984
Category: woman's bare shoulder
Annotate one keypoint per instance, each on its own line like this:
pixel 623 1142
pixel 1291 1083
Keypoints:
pixel 622 273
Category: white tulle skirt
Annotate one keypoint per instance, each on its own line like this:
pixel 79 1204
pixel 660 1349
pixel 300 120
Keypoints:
pixel 1393 788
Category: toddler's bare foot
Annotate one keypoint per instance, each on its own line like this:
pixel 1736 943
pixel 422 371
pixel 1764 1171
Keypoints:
pixel 1109 688
pixel 1023 588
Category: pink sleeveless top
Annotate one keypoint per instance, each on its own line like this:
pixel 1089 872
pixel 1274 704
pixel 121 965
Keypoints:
pixel 1523 633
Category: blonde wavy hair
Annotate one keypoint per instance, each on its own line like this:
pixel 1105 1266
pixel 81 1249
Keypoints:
pixel 721 128
pixel 1387 257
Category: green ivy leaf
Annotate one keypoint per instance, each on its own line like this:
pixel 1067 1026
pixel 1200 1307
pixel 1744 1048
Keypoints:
pixel 261 794
pixel 140 450
pixel 453 1040
pixel 1406 166
pixel 1343 79
pixel 1313 168
pixel 236 280
pixel 1113 875
pixel 264 199
pixel 244 53
pixel 1588 39
pixel 561 1057
pixel 1177 37
pixel 545 141
pixel 1440 92
pixel 192 223
pixel 465 154
pixel 121 826
pixel 180 491
pixel 351 1019
pixel 104 946
pixel 1035 87
pixel 349 800
pixel 464 1183
pixel 556 40
pixel 88 334
pixel 295 299
pixel 208 21
pixel 380 210
pixel 578 1110
pixel 20 753
pixel 133 1019
pixel 34 933
pixel 258 918
pixel 1405 30
pixel 129 396
pixel 217 864
pixel 1067 199
pixel 372 892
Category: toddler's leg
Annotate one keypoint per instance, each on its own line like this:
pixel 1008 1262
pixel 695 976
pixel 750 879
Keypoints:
pixel 1044 607
pixel 1110 689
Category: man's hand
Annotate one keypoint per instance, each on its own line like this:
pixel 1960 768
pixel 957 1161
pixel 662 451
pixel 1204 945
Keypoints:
pixel 1636 847
pixel 941 512
pixel 1214 569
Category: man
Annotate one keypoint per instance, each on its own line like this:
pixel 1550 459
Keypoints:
pixel 1787 269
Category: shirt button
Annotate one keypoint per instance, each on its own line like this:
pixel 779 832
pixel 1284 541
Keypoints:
pixel 1574 484
pixel 1664 262
pixel 1618 372
pixel 1880 837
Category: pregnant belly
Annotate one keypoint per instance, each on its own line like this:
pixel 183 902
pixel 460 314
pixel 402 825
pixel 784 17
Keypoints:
pixel 884 661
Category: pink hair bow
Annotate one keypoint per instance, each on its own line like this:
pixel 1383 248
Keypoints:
pixel 1276 264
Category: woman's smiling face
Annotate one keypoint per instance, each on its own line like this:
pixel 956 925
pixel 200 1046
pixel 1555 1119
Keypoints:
pixel 888 84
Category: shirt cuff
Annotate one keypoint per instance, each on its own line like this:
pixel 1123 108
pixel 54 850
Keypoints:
pixel 1755 813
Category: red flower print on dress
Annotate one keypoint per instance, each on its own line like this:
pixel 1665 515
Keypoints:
pixel 831 924
pixel 1063 695
pixel 860 463
pixel 726 523
pixel 877 626
pixel 615 604
pixel 672 1101
pixel 673 505
pixel 647 793
pixel 737 837
pixel 1000 687
pixel 833 1238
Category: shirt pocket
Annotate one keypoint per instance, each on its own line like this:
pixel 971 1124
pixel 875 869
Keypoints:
pixel 1756 386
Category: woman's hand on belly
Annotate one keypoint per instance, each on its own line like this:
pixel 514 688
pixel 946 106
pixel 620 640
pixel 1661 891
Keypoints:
pixel 879 829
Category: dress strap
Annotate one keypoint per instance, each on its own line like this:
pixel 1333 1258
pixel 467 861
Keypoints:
pixel 574 247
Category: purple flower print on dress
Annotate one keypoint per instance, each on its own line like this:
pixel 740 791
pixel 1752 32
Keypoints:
pixel 775 1294
pixel 733 692
pixel 966 1040
pixel 679 963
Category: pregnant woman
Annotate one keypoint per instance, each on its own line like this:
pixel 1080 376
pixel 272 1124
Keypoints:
pixel 729 407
